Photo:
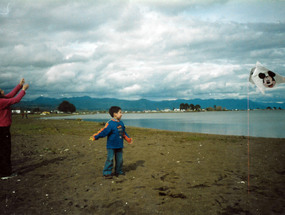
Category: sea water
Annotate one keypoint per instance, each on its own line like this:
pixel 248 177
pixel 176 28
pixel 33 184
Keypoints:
pixel 258 123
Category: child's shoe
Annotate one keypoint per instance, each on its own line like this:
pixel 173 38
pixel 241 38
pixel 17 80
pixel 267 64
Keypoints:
pixel 121 173
pixel 108 176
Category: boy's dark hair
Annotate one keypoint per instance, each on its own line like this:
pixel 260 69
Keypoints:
pixel 114 109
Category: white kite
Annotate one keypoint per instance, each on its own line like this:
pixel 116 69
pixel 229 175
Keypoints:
pixel 264 78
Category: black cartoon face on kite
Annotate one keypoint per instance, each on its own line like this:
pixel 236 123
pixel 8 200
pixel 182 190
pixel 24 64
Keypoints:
pixel 264 78
pixel 268 79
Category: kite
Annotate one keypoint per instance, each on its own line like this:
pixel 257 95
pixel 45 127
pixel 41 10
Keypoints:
pixel 264 78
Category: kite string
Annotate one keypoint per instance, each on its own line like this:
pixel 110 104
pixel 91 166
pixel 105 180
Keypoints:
pixel 248 162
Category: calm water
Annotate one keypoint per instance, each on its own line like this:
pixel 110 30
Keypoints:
pixel 261 123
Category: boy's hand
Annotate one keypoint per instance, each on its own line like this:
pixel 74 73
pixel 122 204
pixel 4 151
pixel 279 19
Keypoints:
pixel 91 138
pixel 131 142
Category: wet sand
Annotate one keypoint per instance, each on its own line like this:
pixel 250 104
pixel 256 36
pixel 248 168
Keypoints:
pixel 60 172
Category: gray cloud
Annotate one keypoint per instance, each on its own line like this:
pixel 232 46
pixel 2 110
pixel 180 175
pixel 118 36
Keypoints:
pixel 140 49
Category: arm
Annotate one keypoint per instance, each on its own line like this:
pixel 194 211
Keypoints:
pixel 10 101
pixel 13 92
pixel 127 138
pixel 102 133
pixel 16 89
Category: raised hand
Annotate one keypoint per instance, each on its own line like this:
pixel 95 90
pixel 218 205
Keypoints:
pixel 22 81
pixel 25 87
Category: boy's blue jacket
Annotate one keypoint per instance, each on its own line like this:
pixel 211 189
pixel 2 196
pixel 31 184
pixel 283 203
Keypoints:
pixel 115 130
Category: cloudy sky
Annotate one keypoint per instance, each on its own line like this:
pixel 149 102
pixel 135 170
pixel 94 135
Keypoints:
pixel 133 49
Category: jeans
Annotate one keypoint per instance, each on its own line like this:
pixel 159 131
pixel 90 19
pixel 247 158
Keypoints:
pixel 5 152
pixel 118 153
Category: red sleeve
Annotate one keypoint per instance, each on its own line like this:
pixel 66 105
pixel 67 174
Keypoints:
pixel 5 102
pixel 14 91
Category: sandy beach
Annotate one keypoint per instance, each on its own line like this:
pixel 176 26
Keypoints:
pixel 60 172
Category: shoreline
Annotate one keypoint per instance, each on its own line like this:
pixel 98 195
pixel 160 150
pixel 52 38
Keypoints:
pixel 60 172
pixel 164 130
pixel 195 127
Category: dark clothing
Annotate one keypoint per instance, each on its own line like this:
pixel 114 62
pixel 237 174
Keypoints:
pixel 5 152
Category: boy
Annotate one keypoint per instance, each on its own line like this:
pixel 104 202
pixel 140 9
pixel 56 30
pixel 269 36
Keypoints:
pixel 115 130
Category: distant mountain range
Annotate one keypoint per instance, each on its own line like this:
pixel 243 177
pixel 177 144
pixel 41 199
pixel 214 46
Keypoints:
pixel 88 103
